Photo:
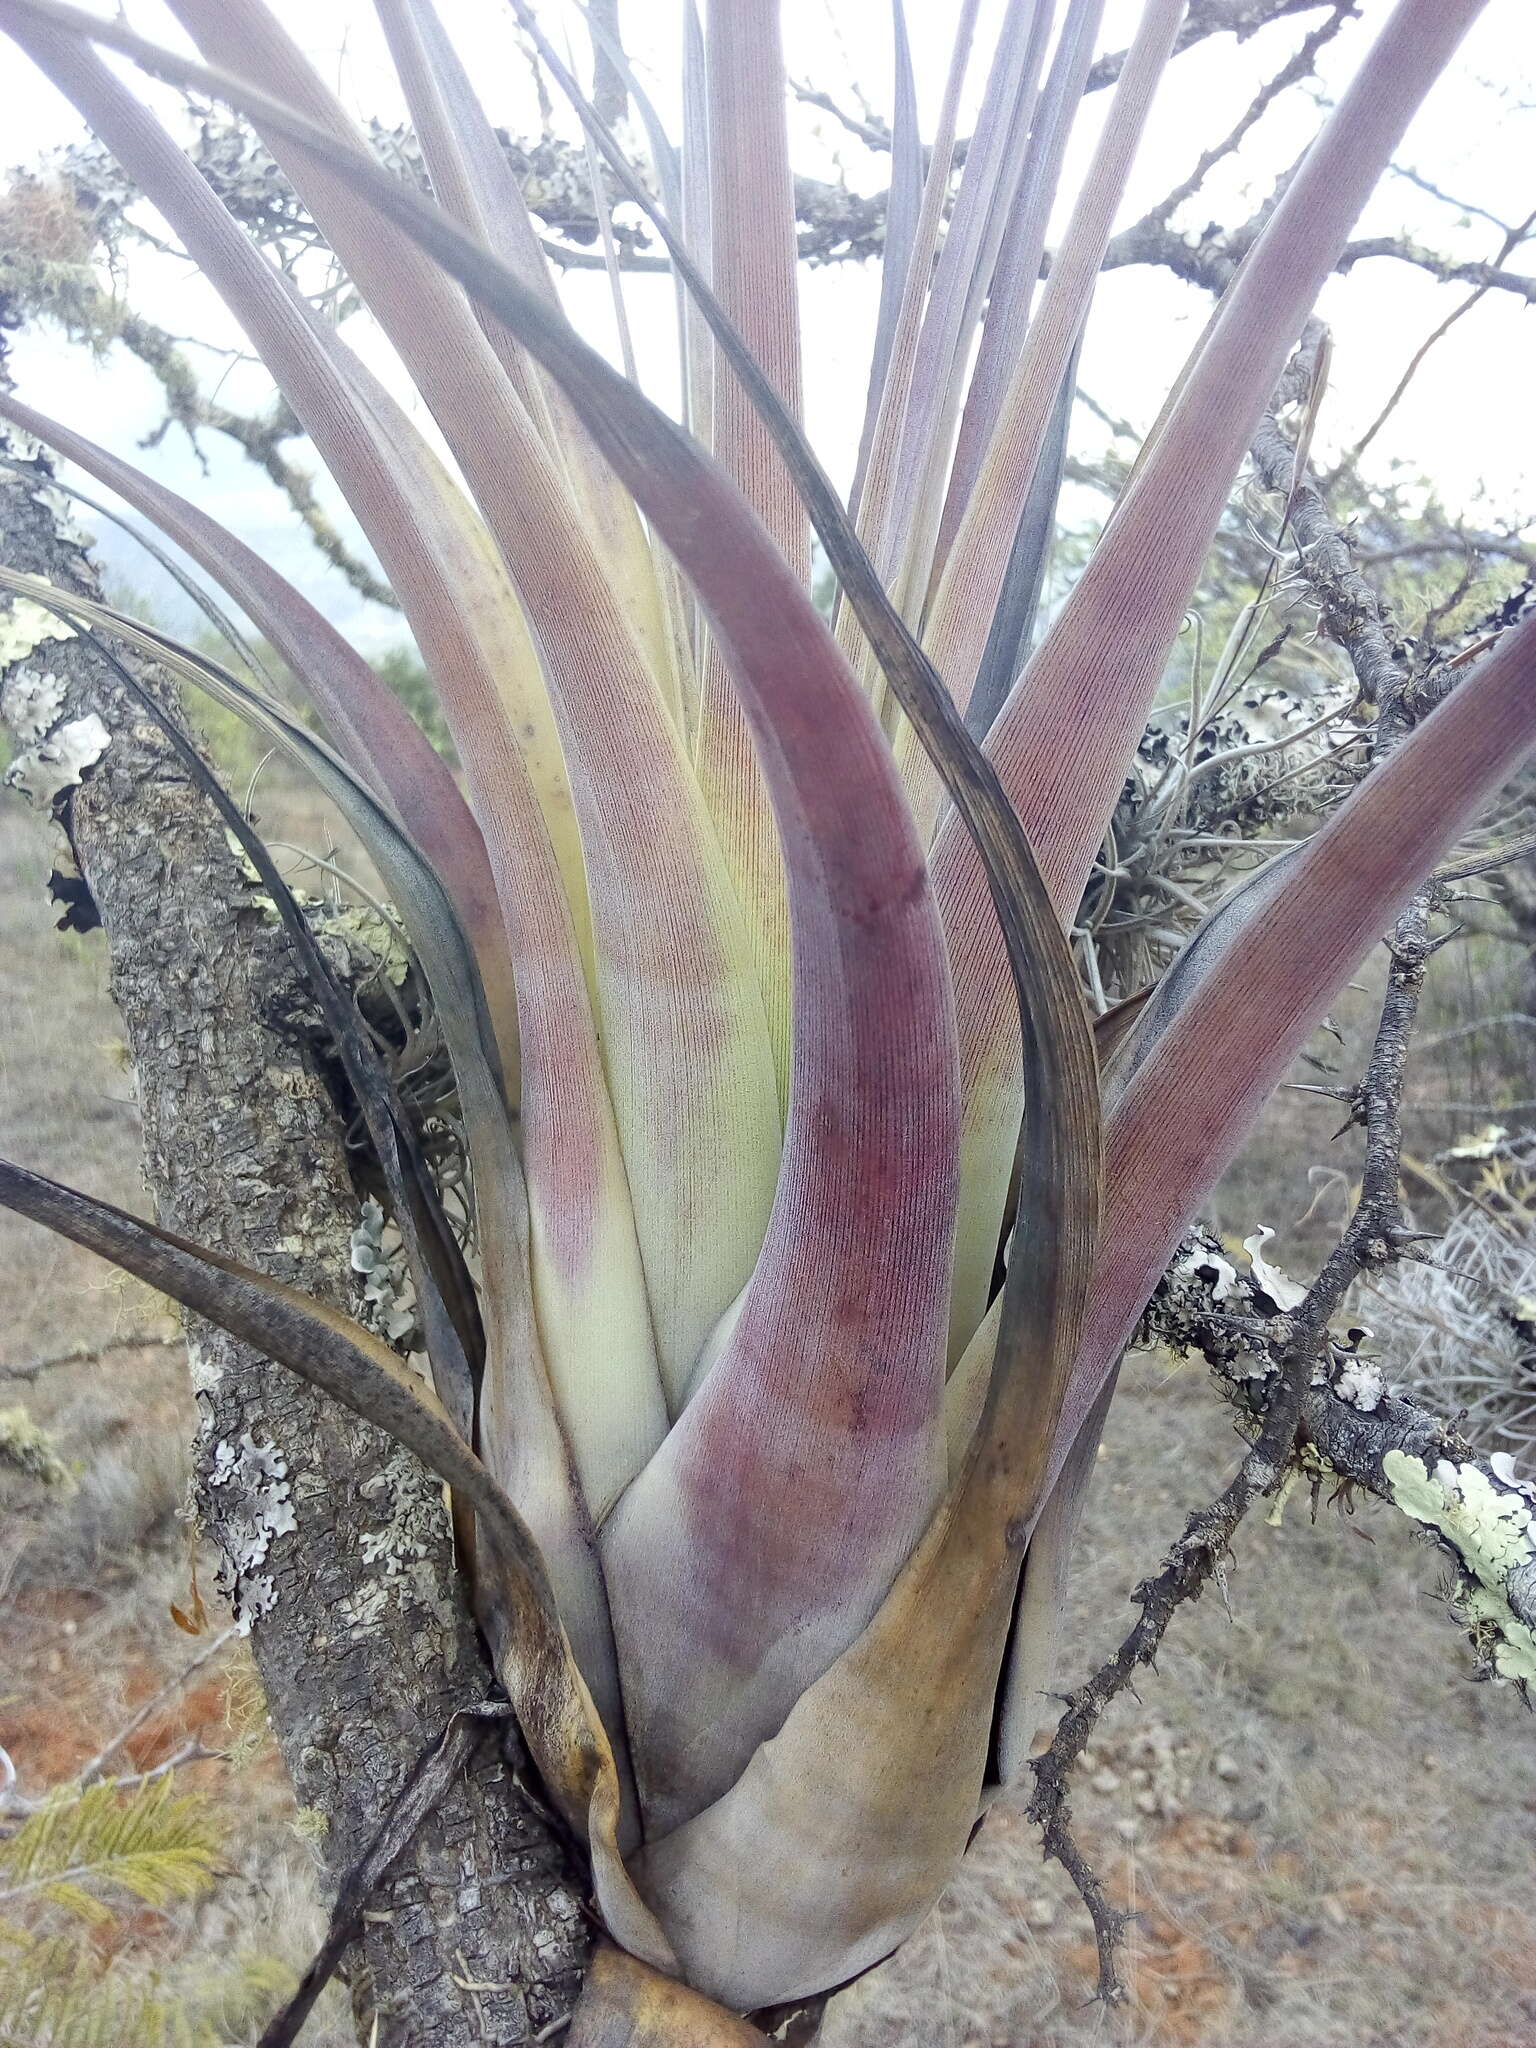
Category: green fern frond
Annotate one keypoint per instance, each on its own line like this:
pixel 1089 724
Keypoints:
pixel 154 1844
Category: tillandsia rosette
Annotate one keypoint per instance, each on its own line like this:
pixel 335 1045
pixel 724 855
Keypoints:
pixel 747 932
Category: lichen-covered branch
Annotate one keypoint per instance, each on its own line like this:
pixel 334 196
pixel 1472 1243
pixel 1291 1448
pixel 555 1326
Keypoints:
pixel 50 243
pixel 1298 67
pixel 1358 1431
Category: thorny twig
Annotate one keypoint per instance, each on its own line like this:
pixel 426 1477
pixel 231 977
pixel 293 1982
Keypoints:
pixel 1297 1343
pixel 1351 610
pixel 192 1751
pixel 1513 238
pixel 1237 18
pixel 1300 66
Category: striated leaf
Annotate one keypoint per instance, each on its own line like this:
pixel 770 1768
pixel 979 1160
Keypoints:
pixel 1018 601
pixel 1060 1155
pixel 1006 1471
pixel 450 1311
pixel 1061 742
pixel 614 1424
pixel 454 593
pixel 965 602
pixel 866 1192
pixel 1016 281
pixel 473 180
pixel 755 271
pixel 684 1036
pixel 903 216
pixel 904 549
pixel 885 424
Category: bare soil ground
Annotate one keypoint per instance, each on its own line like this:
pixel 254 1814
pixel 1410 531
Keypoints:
pixel 1326 1828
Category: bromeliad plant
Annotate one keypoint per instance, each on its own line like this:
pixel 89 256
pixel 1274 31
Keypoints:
pixel 748 936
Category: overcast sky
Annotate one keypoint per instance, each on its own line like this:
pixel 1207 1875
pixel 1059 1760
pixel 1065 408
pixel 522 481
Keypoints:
pixel 1466 424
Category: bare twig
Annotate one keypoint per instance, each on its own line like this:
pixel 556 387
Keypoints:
pixel 1300 66
pixel 1296 1342
pixel 429 1779
pixel 98 1763
pixel 874 135
pixel 192 1751
pixel 1513 238
pixel 1412 177
pixel 88 1354
pixel 1237 18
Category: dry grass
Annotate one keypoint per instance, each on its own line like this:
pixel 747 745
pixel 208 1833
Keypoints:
pixel 1324 1825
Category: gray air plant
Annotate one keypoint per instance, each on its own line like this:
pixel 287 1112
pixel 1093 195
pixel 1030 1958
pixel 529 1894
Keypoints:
pixel 748 934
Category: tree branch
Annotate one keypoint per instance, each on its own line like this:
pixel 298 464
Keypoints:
pixel 1300 66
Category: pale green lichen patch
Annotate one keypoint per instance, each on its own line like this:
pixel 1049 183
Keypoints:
pixel 1412 1488
pixel 257 1506
pixel 57 763
pixel 1505 1641
pixel 374 937
pixel 27 625
pixel 54 754
pixel 1490 1531
pixel 1488 1527
pixel 33 700
pixel 1311 1462
pixel 387 1290
pixel 29 1448
pixel 1361 1385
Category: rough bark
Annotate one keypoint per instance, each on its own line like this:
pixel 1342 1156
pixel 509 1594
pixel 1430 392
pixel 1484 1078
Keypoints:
pixel 357 1619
